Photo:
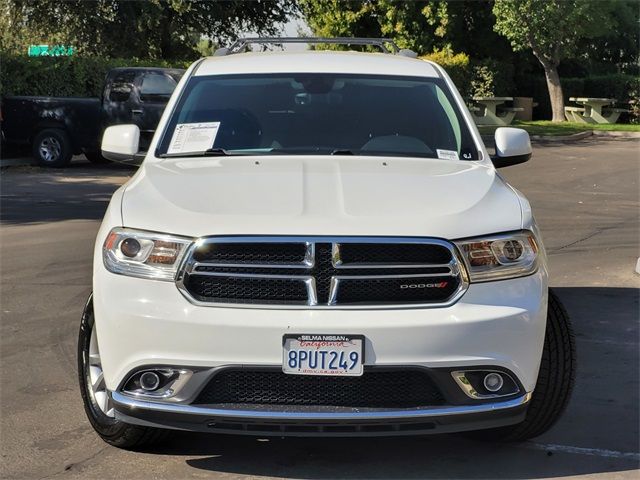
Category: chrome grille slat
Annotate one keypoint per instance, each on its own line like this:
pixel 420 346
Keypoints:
pixel 374 277
pixel 360 266
pixel 367 284
pixel 254 265
pixel 241 274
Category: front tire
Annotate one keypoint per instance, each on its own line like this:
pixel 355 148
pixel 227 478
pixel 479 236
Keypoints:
pixel 52 148
pixel 555 380
pixel 95 396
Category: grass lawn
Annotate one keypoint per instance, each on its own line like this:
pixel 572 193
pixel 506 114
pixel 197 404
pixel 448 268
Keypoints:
pixel 546 127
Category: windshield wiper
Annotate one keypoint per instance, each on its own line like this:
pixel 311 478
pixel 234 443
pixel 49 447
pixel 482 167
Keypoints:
pixel 341 151
pixel 296 151
pixel 211 152
pixel 310 151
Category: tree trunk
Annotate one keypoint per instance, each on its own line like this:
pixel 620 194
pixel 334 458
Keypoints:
pixel 555 91
pixel 166 41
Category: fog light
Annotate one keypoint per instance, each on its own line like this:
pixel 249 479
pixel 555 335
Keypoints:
pixel 157 382
pixel 149 381
pixel 493 382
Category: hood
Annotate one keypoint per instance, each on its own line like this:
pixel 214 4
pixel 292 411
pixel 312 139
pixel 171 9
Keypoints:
pixel 320 195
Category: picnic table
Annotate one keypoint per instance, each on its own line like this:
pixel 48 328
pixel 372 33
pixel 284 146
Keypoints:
pixel 593 110
pixel 487 113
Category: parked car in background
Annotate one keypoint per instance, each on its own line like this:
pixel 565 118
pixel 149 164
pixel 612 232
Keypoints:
pixel 57 128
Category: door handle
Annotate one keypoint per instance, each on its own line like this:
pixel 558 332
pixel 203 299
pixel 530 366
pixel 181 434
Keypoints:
pixel 136 112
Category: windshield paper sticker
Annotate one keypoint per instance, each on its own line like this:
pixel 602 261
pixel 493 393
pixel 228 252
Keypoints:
pixel 193 137
pixel 447 154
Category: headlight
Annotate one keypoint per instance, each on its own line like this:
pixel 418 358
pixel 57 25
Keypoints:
pixel 143 254
pixel 500 257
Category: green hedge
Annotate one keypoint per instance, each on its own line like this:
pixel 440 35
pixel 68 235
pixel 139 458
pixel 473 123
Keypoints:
pixel 84 76
pixel 475 78
pixel 457 65
pixel 64 76
pixel 492 78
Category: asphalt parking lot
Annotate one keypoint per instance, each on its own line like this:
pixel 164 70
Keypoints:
pixel 586 199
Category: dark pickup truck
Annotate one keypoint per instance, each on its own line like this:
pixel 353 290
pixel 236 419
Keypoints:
pixel 59 127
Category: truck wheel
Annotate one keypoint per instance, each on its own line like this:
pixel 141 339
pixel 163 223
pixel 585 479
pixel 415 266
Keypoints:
pixel 95 396
pixel 96 157
pixel 52 148
pixel 554 384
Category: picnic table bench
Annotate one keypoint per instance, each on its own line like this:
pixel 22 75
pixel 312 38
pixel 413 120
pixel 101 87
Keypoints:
pixel 593 110
pixel 487 112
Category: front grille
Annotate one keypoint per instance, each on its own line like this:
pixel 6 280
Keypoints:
pixel 248 290
pixel 251 253
pixel 346 271
pixel 396 388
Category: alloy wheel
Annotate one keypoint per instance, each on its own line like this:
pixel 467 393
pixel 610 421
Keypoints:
pixel 95 378
pixel 50 149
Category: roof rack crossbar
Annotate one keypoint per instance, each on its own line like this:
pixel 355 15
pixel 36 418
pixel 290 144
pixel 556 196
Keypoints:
pixel 382 43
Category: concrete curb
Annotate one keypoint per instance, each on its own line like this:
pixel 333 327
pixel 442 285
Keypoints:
pixel 616 134
pixel 488 139
pixel 562 138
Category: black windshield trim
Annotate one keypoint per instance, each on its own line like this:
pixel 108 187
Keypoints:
pixel 162 144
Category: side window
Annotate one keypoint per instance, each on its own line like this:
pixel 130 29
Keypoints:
pixel 121 87
pixel 120 92
pixel 156 87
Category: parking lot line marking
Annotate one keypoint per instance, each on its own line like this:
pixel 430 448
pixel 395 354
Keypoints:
pixel 596 452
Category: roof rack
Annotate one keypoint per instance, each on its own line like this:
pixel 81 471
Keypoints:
pixel 386 45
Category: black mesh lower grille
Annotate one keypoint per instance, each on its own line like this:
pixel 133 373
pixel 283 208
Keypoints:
pixel 398 388
pixel 247 290
pixel 396 290
pixel 390 253
pixel 256 253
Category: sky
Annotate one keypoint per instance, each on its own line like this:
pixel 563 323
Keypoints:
pixel 290 29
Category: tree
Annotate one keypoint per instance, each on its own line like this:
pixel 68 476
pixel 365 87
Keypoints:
pixel 553 30
pixel 145 29
pixel 423 26
pixel 619 49
pixel 341 18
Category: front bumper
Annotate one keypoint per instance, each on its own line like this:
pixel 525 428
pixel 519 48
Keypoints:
pixel 143 323
pixel 302 421
pixel 147 322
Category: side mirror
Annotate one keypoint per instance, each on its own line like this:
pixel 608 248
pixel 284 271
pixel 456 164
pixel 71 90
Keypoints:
pixel 120 143
pixel 512 147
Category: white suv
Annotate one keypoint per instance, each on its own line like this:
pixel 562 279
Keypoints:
pixel 318 243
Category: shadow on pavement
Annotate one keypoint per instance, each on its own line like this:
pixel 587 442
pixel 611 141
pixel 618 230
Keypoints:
pixel 36 195
pixel 602 417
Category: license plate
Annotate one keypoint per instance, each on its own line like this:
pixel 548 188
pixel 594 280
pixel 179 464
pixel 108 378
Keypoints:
pixel 335 355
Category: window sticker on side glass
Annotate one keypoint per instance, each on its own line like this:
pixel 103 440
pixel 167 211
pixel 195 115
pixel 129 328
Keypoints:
pixel 193 137
pixel 447 154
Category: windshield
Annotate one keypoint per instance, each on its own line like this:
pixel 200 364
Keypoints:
pixel 319 114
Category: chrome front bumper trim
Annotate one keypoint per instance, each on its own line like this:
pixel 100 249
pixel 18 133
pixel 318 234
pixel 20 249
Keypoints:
pixel 130 406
